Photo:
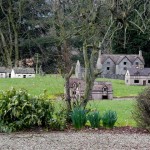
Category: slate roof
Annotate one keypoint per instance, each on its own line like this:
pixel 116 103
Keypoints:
pixel 2 70
pixel 119 57
pixel 98 85
pixel 139 71
pixel 5 70
pixel 24 71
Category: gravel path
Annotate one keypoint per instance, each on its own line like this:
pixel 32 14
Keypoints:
pixel 74 141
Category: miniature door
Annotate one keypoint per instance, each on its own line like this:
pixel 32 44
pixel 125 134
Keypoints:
pixel 105 92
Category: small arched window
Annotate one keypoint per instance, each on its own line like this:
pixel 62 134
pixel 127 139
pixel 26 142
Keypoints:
pixel 105 89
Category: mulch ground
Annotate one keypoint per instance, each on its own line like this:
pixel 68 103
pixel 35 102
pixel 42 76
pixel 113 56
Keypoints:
pixel 115 130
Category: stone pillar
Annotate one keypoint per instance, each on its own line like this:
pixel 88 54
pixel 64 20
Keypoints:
pixel 99 64
pixel 78 72
pixel 140 53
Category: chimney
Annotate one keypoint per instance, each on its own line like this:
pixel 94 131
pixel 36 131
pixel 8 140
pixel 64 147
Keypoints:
pixel 140 53
pixel 99 54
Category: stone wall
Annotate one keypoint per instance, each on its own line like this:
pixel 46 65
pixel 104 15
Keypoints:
pixel 112 76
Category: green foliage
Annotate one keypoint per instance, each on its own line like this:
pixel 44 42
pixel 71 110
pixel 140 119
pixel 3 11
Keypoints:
pixel 109 118
pixel 19 110
pixel 78 117
pixel 142 109
pixel 58 122
pixel 94 118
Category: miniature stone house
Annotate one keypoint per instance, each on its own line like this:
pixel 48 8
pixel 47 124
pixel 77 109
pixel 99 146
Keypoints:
pixel 101 90
pixel 137 76
pixel 118 63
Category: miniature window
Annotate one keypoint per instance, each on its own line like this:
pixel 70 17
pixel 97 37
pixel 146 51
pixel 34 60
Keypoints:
pixel 136 81
pixel 74 92
pixel 105 89
pixel 137 63
pixel 108 68
pixel 148 81
pixel 127 81
pixel 125 63
pixel 75 85
pixel 108 63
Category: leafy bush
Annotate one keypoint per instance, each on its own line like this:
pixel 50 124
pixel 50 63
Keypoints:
pixel 94 119
pixel 19 110
pixel 142 109
pixel 78 117
pixel 109 118
pixel 58 122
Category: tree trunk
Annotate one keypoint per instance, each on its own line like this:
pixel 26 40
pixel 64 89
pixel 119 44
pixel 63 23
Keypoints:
pixel 7 54
pixel 89 73
pixel 67 88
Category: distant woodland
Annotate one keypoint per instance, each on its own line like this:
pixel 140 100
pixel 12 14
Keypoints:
pixel 51 34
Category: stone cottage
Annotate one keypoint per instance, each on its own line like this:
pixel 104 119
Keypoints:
pixel 118 63
pixel 101 90
pixel 22 73
pixel 137 76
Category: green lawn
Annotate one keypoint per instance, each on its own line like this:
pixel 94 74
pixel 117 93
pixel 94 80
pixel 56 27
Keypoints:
pixel 124 109
pixel 52 83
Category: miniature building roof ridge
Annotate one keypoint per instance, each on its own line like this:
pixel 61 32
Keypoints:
pixel 141 71
pixel 116 58
pixel 19 70
pixel 4 70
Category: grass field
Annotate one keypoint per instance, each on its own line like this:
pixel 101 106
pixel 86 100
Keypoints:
pixel 54 84
pixel 124 109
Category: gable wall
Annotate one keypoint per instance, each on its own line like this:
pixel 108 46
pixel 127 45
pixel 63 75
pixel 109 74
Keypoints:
pixel 121 66
pixel 111 66
pixel 139 62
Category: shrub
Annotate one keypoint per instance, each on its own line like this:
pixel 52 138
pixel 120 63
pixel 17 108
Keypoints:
pixel 94 119
pixel 109 118
pixel 78 117
pixel 142 109
pixel 19 110
pixel 58 122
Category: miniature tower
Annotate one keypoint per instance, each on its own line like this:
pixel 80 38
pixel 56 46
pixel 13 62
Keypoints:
pixel 78 72
pixel 99 64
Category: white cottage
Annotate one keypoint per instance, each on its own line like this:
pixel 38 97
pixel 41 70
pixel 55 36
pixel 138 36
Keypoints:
pixel 137 76
pixel 22 73
pixel 2 72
